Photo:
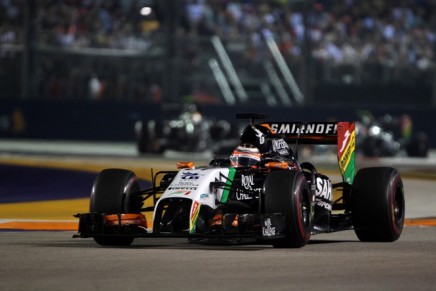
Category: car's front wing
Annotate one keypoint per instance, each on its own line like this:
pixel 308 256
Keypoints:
pixel 95 225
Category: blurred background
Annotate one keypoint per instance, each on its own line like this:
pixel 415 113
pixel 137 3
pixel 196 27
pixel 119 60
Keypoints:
pixel 91 70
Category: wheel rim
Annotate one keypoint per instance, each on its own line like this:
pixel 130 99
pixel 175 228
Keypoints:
pixel 305 210
pixel 398 208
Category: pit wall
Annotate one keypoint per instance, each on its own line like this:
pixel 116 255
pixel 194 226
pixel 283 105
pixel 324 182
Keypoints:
pixel 111 121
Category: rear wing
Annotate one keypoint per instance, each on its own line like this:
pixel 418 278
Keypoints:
pixel 340 133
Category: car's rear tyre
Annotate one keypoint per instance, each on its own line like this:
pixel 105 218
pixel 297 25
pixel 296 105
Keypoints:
pixel 419 146
pixel 115 191
pixel 147 134
pixel 141 135
pixel 378 206
pixel 287 192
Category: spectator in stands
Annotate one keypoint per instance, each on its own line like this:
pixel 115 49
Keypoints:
pixel 393 35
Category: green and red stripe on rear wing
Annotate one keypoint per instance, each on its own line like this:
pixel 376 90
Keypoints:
pixel 340 133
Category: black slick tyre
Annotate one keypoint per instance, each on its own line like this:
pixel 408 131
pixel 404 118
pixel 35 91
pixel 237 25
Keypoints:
pixel 287 192
pixel 114 191
pixel 419 146
pixel 142 137
pixel 147 134
pixel 378 206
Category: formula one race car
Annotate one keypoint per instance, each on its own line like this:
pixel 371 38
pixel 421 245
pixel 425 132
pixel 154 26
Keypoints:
pixel 260 193
pixel 199 134
pixel 390 136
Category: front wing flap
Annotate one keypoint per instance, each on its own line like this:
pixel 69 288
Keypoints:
pixel 94 225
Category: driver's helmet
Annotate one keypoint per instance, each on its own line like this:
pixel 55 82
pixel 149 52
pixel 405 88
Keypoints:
pixel 245 155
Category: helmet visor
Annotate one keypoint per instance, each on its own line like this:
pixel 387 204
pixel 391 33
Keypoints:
pixel 244 160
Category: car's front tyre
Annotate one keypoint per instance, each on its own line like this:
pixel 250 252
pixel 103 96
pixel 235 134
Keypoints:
pixel 115 191
pixel 287 192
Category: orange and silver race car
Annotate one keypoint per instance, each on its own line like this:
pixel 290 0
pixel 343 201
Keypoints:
pixel 260 193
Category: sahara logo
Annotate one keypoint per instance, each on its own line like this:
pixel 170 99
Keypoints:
pixel 324 195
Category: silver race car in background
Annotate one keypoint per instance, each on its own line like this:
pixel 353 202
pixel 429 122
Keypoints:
pixel 184 129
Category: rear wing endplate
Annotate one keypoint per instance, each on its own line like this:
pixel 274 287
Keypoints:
pixel 340 133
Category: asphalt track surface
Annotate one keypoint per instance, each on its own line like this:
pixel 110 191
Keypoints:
pixel 46 188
